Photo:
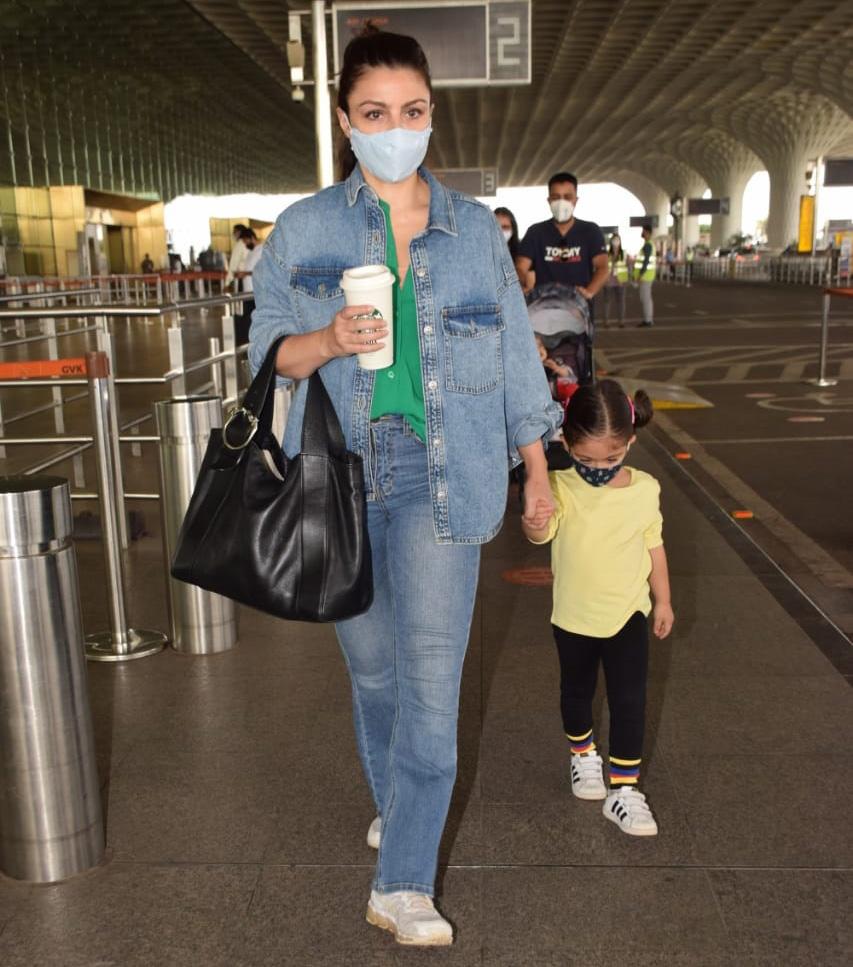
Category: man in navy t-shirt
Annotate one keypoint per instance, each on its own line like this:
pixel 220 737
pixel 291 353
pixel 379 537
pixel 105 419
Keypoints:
pixel 564 249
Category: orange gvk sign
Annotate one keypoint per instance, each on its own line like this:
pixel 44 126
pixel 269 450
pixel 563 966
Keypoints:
pixel 42 368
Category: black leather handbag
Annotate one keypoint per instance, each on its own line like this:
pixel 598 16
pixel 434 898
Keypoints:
pixel 288 537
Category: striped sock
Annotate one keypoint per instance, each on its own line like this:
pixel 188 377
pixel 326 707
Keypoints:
pixel 624 772
pixel 582 744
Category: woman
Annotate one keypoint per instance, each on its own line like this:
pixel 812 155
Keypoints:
pixel 465 398
pixel 617 281
pixel 509 230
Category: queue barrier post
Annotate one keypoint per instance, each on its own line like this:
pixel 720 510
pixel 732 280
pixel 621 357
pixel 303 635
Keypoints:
pixel 51 825
pixel 121 642
pixel 202 623
pixel 822 378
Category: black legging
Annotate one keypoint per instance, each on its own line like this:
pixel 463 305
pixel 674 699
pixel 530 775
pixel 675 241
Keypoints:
pixel 625 658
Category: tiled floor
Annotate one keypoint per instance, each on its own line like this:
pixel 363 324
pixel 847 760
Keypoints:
pixel 236 811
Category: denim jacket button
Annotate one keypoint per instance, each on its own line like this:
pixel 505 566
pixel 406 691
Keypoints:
pixel 427 330
pixel 421 273
pixel 432 384
pixel 441 495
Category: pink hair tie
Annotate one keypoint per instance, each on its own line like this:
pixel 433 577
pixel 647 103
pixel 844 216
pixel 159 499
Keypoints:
pixel 633 414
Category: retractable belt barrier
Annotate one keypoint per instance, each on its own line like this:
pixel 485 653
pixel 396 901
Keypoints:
pixel 121 642
pixel 201 622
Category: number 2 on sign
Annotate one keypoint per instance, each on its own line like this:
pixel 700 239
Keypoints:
pixel 504 59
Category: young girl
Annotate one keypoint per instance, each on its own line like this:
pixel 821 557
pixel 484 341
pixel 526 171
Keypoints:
pixel 607 554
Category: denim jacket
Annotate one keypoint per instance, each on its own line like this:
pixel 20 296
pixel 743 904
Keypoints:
pixel 485 392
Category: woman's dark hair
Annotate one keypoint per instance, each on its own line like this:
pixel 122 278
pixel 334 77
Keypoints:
pixel 604 409
pixel 615 235
pixel 513 240
pixel 374 48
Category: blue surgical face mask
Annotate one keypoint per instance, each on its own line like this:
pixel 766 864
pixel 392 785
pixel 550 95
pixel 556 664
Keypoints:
pixel 390 155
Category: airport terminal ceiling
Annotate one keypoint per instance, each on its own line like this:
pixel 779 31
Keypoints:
pixel 174 96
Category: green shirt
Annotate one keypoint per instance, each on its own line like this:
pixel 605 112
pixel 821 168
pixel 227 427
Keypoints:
pixel 399 388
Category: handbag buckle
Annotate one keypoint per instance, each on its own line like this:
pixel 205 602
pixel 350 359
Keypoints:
pixel 253 427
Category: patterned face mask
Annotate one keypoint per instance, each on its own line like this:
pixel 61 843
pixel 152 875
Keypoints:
pixel 596 476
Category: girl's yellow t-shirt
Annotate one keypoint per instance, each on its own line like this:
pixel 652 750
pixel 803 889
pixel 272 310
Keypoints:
pixel 600 551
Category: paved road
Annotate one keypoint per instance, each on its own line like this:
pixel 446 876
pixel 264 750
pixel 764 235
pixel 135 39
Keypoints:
pixel 772 443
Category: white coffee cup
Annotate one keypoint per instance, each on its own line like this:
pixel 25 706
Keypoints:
pixel 373 285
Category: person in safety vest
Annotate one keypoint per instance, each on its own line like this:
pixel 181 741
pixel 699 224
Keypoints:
pixel 644 276
pixel 617 280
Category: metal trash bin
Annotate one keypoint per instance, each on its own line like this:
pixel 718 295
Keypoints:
pixel 202 623
pixel 51 825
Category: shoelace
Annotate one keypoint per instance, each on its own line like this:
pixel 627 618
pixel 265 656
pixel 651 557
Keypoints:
pixel 417 903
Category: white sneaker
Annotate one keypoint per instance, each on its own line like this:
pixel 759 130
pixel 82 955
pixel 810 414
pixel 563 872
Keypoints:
pixel 411 917
pixel 587 777
pixel 374 833
pixel 628 809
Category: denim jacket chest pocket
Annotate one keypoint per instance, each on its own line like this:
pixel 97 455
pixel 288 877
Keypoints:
pixel 472 347
pixel 316 288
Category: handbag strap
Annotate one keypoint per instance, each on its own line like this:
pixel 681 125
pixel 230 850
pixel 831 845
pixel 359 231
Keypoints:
pixel 259 400
pixel 321 429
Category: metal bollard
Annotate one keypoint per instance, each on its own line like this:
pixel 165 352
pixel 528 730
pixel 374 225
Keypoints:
pixel 822 378
pixel 50 807
pixel 202 623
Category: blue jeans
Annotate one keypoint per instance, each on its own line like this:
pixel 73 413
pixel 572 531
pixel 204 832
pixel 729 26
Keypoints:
pixel 405 660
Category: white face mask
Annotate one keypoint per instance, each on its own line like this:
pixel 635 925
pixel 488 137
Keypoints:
pixel 507 233
pixel 562 210
pixel 390 155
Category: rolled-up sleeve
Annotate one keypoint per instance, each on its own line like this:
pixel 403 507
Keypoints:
pixel 275 314
pixel 531 413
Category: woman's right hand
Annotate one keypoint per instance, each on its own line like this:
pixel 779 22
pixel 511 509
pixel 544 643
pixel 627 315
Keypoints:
pixel 346 334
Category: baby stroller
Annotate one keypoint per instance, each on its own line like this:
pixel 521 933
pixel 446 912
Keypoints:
pixel 559 316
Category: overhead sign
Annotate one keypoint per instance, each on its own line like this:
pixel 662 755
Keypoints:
pixel 609 229
pixel 708 206
pixel 467 42
pixel 838 172
pixel 480 182
pixel 638 221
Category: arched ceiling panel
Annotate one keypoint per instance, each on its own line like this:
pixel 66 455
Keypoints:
pixel 194 95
